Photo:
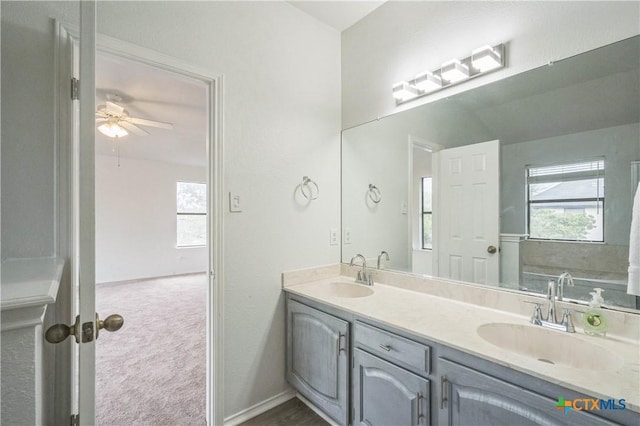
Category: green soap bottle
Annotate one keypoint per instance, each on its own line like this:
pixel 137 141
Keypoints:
pixel 594 320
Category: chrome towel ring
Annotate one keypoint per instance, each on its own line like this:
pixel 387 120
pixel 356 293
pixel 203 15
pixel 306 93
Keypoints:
pixel 374 193
pixel 309 189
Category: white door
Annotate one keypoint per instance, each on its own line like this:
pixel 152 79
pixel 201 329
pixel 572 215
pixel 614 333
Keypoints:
pixel 85 255
pixel 468 211
pixel 81 166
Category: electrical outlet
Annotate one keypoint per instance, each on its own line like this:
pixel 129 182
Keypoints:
pixel 333 237
pixel 347 236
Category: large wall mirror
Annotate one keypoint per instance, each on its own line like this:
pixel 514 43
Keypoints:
pixel 510 184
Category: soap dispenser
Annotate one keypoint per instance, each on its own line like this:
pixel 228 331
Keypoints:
pixel 594 320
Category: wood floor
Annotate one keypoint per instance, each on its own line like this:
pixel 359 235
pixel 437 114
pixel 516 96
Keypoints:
pixel 292 413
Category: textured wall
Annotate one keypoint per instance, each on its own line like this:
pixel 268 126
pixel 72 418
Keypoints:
pixel 400 39
pixel 20 403
pixel 136 220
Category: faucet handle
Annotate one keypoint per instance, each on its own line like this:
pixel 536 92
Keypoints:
pixel 536 317
pixel 370 278
pixel 567 322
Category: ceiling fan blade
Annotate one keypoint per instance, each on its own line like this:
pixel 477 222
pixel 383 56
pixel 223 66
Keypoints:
pixel 150 123
pixel 114 108
pixel 101 120
pixel 133 128
pixel 101 114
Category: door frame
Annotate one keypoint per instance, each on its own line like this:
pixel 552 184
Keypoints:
pixel 415 142
pixel 64 35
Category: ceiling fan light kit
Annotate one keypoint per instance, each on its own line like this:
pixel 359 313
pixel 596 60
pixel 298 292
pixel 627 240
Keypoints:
pixel 118 123
pixel 112 129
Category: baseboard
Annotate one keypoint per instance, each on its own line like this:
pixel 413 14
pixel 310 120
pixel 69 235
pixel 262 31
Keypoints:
pixel 135 280
pixel 316 410
pixel 259 408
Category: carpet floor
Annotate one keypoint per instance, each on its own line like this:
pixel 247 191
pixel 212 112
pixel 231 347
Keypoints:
pixel 152 371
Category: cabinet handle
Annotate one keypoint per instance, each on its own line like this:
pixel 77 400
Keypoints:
pixel 340 348
pixel 385 347
pixel 443 392
pixel 419 399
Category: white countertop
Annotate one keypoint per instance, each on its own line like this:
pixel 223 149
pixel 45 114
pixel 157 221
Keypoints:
pixel 454 323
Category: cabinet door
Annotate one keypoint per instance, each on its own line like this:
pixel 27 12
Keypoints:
pixel 385 394
pixel 317 358
pixel 469 397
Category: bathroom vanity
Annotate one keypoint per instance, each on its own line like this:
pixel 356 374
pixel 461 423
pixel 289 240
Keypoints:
pixel 385 355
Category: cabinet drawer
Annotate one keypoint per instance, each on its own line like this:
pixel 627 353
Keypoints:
pixel 399 350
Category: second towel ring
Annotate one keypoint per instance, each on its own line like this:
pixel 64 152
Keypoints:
pixel 307 189
pixel 374 193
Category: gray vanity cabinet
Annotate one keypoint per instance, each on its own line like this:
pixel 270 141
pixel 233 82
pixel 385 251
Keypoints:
pixel 384 394
pixel 471 397
pixel 390 378
pixel 318 359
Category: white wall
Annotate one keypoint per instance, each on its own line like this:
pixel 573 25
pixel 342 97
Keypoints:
pixel 136 220
pixel 28 148
pixel 281 121
pixel 376 154
pixel 400 39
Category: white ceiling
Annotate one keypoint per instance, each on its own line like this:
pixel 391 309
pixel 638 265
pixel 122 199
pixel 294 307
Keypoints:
pixel 160 95
pixel 339 14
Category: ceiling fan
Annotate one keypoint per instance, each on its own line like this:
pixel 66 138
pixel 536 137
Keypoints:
pixel 116 121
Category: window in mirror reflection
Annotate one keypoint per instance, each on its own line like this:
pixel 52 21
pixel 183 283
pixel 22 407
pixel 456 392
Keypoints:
pixel 566 201
pixel 427 213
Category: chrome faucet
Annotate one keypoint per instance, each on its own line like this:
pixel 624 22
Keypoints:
pixel 566 324
pixel 564 277
pixel 362 277
pixel 380 255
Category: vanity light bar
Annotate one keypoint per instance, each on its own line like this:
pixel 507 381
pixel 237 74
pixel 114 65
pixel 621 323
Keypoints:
pixel 482 60
pixel 404 91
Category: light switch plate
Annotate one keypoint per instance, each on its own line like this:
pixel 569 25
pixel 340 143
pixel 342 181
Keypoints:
pixel 234 203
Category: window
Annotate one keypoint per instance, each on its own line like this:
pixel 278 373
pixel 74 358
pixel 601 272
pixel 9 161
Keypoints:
pixel 192 214
pixel 566 201
pixel 427 213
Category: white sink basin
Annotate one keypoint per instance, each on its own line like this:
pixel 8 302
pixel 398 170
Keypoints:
pixel 342 289
pixel 549 346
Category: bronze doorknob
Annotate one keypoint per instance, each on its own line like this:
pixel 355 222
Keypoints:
pixel 59 332
pixel 111 323
pixel 492 249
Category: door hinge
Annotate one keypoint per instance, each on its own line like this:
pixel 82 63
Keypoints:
pixel 75 89
pixel 75 420
pixel 212 273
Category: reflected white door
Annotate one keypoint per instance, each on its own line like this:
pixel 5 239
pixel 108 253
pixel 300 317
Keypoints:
pixel 469 221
